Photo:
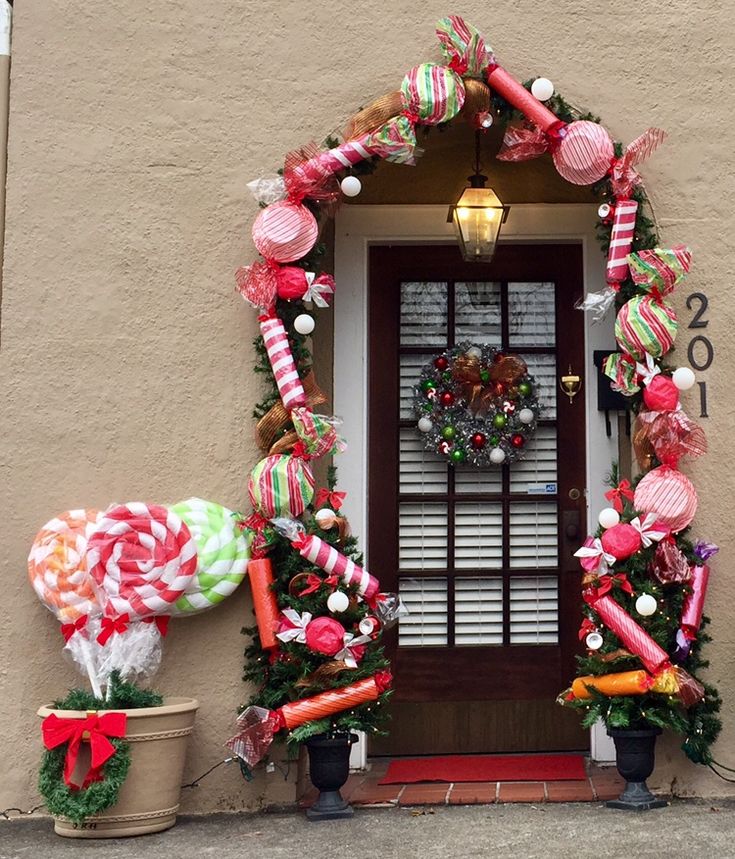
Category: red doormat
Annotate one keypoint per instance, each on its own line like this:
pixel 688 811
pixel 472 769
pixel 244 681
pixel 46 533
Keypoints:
pixel 460 768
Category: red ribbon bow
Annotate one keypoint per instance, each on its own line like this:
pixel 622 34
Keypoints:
pixel 617 495
pixel 111 625
pixel 94 729
pixel 333 499
pixel 314 582
pixel 300 452
pixel 68 629
pixel 605 585
pixel 161 621
pixel 586 628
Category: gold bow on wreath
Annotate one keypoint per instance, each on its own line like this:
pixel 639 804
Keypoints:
pixel 482 389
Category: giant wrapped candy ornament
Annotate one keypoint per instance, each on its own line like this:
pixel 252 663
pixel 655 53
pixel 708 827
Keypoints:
pixel 621 541
pixel 281 485
pixel 463 46
pixel 670 681
pixel 285 231
pixel 691 615
pixel 646 325
pixel 265 606
pixel 621 240
pixel 660 269
pixel 669 494
pixel 632 636
pixel 142 557
pixel 282 363
pixel 584 153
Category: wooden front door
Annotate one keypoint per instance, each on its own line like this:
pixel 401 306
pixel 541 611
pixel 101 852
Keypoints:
pixel 482 558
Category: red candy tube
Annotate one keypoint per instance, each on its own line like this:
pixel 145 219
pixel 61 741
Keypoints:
pixel 632 636
pixel 327 558
pixel 281 360
pixel 691 615
pixel 517 95
pixel 621 240
pixel 267 615
pixel 335 700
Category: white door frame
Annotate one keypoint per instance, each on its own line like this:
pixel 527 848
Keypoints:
pixel 357 227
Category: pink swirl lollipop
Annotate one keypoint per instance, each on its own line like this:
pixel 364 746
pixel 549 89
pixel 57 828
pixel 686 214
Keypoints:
pixel 143 558
pixel 57 566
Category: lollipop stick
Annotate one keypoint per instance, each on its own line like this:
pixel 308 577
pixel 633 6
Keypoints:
pixel 91 670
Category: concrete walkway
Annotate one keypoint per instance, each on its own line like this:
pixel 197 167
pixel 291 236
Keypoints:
pixel 705 830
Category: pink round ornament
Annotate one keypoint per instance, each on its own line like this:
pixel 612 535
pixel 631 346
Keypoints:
pixel 661 394
pixel 621 541
pixel 292 283
pixel 325 635
pixel 669 494
pixel 584 154
pixel 285 231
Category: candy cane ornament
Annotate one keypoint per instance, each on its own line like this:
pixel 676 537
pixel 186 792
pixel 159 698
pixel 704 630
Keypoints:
pixel 327 558
pixel 281 360
pixel 621 240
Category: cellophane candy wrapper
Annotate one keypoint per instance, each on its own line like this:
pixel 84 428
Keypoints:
pixel 135 652
pixel 669 566
pixel 318 432
pixel 390 608
pixel 255 729
pixel 268 189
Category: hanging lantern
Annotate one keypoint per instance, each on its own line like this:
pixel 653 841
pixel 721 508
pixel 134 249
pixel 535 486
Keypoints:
pixel 478 216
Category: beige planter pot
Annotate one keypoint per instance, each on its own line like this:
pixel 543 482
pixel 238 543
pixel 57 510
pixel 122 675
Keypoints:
pixel 149 797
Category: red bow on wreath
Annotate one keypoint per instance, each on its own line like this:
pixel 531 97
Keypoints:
pixel 333 499
pixel 95 730
pixel 618 495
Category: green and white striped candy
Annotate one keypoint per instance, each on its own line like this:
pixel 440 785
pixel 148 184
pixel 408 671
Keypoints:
pixel 222 550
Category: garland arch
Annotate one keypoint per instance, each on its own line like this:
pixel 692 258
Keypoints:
pixel 643 581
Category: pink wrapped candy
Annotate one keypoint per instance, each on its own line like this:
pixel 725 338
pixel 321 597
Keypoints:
pixel 669 494
pixel 621 540
pixel 661 394
pixel 285 231
pixel 584 154
pixel 325 635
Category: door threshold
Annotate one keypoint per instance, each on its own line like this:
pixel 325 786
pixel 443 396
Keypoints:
pixel 363 789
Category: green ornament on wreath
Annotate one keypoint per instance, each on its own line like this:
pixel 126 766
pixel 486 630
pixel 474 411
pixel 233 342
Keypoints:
pixel 476 404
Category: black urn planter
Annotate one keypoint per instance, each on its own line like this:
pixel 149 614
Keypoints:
pixel 329 768
pixel 635 756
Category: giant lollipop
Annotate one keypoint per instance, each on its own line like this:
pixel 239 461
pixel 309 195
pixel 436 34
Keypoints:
pixel 58 572
pixel 222 551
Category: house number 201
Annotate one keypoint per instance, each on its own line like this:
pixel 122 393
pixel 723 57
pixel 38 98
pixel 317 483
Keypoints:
pixel 700 352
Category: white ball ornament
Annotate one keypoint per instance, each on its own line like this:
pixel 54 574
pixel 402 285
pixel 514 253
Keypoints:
pixel 474 352
pixel 609 517
pixel 497 455
pixel 338 602
pixel 351 186
pixel 542 89
pixel 684 378
pixel 593 641
pixel 325 519
pixel 646 605
pixel 304 323
pixel 604 211
pixel 525 416
pixel 425 424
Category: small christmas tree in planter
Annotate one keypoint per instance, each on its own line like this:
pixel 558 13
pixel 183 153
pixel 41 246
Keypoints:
pixel 115 756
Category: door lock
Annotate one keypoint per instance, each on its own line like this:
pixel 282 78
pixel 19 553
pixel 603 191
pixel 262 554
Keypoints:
pixel 575 494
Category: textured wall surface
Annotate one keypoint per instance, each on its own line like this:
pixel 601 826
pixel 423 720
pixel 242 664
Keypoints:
pixel 125 355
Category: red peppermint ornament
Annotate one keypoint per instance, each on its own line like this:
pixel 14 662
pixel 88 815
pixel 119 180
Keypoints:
pixel 661 394
pixel 325 635
pixel 622 541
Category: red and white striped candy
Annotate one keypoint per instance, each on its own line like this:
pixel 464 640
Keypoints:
pixel 621 240
pixel 334 160
pixel 143 557
pixel 281 361
pixel 327 558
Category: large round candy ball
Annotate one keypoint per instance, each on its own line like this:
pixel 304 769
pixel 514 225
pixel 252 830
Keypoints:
pixel 285 231
pixel 621 541
pixel 669 494
pixel 433 93
pixel 325 635
pixel 281 485
pixel 645 325
pixel 584 154
pixel 661 394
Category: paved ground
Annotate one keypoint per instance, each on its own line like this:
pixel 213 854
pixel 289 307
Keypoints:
pixel 574 831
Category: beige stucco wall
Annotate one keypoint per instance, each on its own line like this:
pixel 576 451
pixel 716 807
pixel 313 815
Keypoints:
pixel 125 355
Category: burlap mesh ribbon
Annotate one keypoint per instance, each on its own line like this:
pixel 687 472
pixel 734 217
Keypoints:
pixel 375 115
pixel 476 99
pixel 269 429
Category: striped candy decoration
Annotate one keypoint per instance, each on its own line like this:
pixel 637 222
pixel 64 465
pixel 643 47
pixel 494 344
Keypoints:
pixel 669 494
pixel 621 240
pixel 334 700
pixel 222 553
pixel 660 268
pixel 646 325
pixel 327 558
pixel 281 485
pixel 281 360
pixel 142 557
pixel 632 636
pixel 57 565
pixel 584 154
pixel 317 432
pixel 463 46
pixel 285 231
pixel 432 93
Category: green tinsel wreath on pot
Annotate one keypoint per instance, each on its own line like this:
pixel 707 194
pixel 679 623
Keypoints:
pixel 77 805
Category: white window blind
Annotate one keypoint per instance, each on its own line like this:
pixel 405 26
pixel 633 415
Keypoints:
pixel 478 611
pixel 478 536
pixel 423 313
pixel 477 313
pixel 534 610
pixel 543 370
pixel 539 463
pixel 468 478
pixel 534 535
pixel 426 623
pixel 419 470
pixel 422 535
pixel 410 370
pixel 531 314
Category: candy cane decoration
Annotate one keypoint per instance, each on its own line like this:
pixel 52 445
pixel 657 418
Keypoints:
pixel 621 240
pixel 281 360
pixel 333 160
pixel 327 558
